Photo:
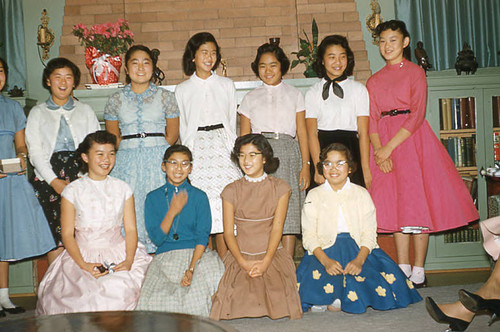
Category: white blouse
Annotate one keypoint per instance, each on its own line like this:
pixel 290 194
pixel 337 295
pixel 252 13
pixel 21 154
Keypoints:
pixel 273 108
pixel 336 113
pixel 204 103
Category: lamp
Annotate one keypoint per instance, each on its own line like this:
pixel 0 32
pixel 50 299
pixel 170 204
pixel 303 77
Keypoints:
pixel 45 37
pixel 373 20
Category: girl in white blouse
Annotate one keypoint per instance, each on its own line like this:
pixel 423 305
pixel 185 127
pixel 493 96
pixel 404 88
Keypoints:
pixel 54 130
pixel 277 111
pixel 207 105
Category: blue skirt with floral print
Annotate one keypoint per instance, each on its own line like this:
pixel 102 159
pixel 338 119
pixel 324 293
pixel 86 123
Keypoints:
pixel 380 285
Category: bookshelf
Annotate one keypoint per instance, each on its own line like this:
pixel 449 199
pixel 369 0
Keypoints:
pixel 464 112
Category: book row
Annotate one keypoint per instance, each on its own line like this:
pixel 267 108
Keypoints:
pixel 457 113
pixel 463 235
pixel 462 150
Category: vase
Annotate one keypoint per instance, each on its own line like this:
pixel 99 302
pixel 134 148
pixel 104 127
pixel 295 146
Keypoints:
pixel 104 68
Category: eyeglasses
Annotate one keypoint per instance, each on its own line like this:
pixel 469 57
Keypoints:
pixel 250 154
pixel 174 163
pixel 337 164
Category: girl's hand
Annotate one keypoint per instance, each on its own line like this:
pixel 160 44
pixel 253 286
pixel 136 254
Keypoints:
pixel 354 267
pixel 58 185
pixel 246 265
pixel 383 153
pixel 386 166
pixel 92 269
pixel 126 265
pixel 333 267
pixel 2 175
pixel 187 278
pixel 178 202
pixel 259 268
pixel 319 179
pixel 304 177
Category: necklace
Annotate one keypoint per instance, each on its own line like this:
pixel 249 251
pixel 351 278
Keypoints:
pixel 177 218
pixel 257 179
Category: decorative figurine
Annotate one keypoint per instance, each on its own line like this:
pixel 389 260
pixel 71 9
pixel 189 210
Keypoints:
pixel 158 75
pixel 223 62
pixel 466 61
pixel 422 58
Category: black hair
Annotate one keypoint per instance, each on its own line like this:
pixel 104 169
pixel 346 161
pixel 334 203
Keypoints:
pixel 339 147
pixel 131 51
pixel 99 137
pixel 278 53
pixel 192 46
pixel 261 143
pixel 177 148
pixel 395 25
pixel 5 70
pixel 328 41
pixel 58 63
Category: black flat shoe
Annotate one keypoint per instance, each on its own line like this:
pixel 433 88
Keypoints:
pixel 421 285
pixel 456 325
pixel 2 313
pixel 474 303
pixel 15 310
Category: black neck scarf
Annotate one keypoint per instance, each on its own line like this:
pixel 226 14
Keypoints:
pixel 337 89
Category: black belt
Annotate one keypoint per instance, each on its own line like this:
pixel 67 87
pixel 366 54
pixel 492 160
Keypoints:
pixel 394 113
pixel 212 127
pixel 142 135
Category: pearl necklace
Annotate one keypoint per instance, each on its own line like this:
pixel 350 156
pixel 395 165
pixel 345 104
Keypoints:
pixel 254 180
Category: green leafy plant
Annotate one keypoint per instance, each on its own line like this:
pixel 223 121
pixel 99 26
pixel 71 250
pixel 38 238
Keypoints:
pixel 308 52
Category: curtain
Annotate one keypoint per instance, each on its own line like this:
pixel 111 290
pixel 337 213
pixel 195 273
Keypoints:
pixel 445 25
pixel 12 40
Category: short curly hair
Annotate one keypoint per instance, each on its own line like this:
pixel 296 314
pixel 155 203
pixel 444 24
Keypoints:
pixel 261 143
pixel 328 41
pixel 192 46
pixel 339 147
pixel 99 137
pixel 58 63
pixel 278 53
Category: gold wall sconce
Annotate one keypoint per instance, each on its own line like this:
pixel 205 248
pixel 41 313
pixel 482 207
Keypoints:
pixel 45 37
pixel 373 20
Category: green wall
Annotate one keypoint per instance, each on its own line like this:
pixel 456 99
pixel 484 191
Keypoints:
pixel 32 11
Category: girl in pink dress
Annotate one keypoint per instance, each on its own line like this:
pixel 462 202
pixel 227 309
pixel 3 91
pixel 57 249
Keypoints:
pixel 100 270
pixel 416 188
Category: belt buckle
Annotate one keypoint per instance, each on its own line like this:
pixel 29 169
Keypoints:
pixel 143 135
pixel 393 112
pixel 276 135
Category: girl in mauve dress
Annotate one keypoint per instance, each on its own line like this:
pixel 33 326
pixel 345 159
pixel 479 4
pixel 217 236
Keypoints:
pixel 260 275
pixel 416 188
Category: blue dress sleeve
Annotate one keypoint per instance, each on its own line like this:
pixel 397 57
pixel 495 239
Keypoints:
pixel 19 117
pixel 154 212
pixel 112 107
pixel 169 105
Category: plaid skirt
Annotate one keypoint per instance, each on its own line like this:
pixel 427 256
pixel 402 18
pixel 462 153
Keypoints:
pixel 162 290
pixel 286 148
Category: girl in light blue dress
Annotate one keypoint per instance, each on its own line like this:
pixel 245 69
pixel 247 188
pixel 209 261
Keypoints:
pixel 24 231
pixel 145 119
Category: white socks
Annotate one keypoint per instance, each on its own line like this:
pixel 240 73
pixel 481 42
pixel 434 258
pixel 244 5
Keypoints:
pixel 406 268
pixel 4 299
pixel 417 275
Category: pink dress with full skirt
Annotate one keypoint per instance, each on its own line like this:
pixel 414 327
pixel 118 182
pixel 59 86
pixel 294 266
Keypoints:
pixel 424 189
pixel 66 287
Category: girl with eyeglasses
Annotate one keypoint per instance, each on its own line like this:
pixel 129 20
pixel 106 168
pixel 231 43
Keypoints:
pixel 343 268
pixel 260 275
pixel 184 273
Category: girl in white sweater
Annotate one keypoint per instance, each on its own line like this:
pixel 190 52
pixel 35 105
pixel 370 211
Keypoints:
pixel 343 268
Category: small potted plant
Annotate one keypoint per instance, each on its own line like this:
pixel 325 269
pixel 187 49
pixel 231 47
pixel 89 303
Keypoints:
pixel 308 52
pixel 104 44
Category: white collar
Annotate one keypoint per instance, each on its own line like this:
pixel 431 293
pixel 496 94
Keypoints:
pixel 259 179
pixel 326 186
